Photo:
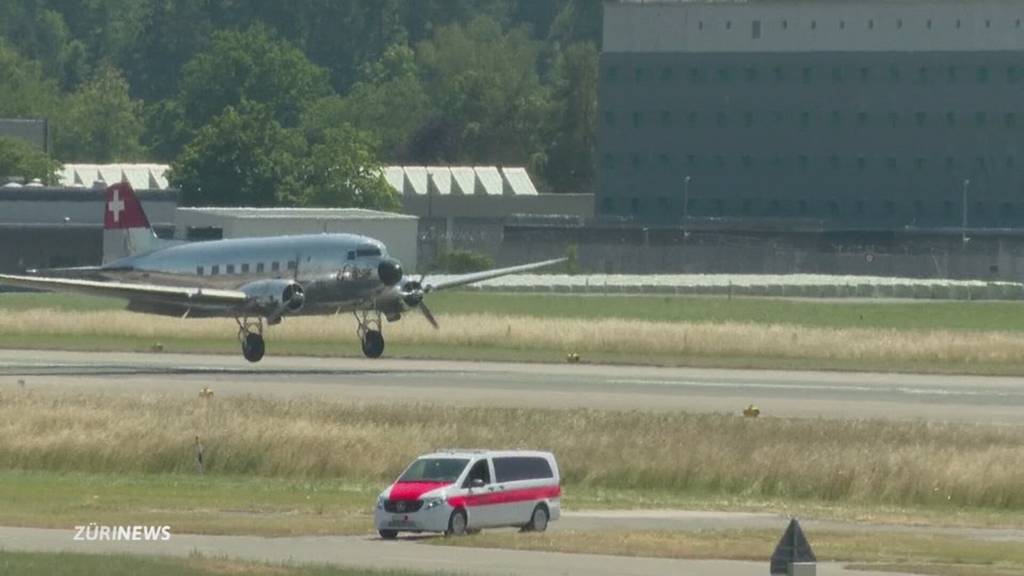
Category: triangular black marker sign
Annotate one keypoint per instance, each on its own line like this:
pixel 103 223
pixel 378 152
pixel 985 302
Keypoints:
pixel 792 548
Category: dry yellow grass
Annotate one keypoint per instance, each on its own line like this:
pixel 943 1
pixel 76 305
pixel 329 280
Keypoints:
pixel 862 462
pixel 586 336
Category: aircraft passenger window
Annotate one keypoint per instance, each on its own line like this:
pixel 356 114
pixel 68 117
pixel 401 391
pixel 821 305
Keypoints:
pixel 245 268
pixel 231 269
pixel 275 266
pixel 259 267
pixel 215 270
pixel 199 270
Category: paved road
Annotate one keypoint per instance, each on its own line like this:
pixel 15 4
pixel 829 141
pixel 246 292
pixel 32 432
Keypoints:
pixel 362 551
pixel 778 393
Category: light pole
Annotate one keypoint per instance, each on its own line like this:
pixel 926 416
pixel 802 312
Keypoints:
pixel 686 198
pixel 963 212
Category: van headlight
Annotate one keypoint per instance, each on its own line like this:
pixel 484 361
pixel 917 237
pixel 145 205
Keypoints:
pixel 432 502
pixel 380 502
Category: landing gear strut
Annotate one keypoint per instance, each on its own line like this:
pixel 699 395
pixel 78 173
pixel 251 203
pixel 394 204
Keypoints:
pixel 250 334
pixel 369 333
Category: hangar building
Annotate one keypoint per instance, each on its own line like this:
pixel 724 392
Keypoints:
pixel 828 115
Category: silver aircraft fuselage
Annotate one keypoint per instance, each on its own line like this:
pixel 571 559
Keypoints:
pixel 338 272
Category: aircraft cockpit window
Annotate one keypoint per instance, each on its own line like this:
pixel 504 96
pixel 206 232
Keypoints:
pixel 368 251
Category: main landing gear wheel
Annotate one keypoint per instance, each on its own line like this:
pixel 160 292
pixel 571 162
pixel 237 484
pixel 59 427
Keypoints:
pixel 369 332
pixel 373 344
pixel 250 334
pixel 388 534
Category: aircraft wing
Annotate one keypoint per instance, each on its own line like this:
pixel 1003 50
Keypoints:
pixel 172 294
pixel 454 281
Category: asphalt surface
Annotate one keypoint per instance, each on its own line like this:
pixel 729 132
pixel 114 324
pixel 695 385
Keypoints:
pixel 777 393
pixel 363 551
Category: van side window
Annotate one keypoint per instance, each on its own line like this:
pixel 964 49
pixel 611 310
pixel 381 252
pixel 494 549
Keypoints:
pixel 480 470
pixel 510 469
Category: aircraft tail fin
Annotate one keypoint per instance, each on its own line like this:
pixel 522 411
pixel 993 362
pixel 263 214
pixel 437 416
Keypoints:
pixel 126 229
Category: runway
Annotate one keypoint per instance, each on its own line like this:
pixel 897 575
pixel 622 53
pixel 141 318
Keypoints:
pixel 777 393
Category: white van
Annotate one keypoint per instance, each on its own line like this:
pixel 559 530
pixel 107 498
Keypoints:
pixel 465 490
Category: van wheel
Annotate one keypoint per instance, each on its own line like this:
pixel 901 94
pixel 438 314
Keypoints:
pixel 388 534
pixel 457 524
pixel 538 520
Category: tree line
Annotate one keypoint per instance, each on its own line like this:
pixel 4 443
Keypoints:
pixel 299 103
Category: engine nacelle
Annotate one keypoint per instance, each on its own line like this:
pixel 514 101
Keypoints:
pixel 275 298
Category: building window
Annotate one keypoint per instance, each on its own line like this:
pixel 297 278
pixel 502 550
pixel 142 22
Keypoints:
pixel 785 25
pixel 864 75
pixel 691 159
pixel 837 75
pixel 982 164
pixel 694 75
pixel 980 118
pixel 1009 162
pixel 919 163
pixel 215 270
pixel 957 23
pixel 1012 75
pixel 666 74
pixel 609 118
pixel 780 75
pixel 245 268
pixel 891 163
pixel 919 118
pixel 634 205
pixel 292 264
pixel 814 24
pixel 842 24
pixel 951 74
pixel 805 119
pixel 663 159
pixel 606 205
pixel 259 267
pixel 950 118
pixel 803 162
pixel 894 119
pixel 666 118
pixel 950 163
pixel 199 270
pixel 862 118
pixel 751 74
pixel 988 23
pixel 861 163
pixel 638 119
pixel 276 266
pixel 691 118
pixel 723 120
pixel 1010 120
pixel 720 161
pixel 608 162
pixel 755 29
pixel 982 75
pixel 899 24
pixel 230 269
pixel 871 24
pixel 747 162
pixel 748 119
pixel 805 75
pixel 928 24
pixel 837 117
pixel 700 25
pixel 724 75
pixel 894 74
pixel 728 24
pixel 833 162
pixel 922 75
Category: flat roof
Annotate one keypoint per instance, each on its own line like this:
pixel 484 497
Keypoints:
pixel 309 213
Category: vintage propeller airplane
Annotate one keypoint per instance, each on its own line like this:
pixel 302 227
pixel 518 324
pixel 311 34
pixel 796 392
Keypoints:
pixel 252 279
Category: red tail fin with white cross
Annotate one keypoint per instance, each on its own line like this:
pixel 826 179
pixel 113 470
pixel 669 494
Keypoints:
pixel 126 230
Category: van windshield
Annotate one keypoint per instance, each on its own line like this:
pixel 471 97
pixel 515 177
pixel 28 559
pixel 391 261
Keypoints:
pixel 434 470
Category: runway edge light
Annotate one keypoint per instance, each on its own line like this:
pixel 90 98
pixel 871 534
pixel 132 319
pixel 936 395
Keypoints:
pixel 793 555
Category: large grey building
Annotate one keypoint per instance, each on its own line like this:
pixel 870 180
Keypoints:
pixel 834 115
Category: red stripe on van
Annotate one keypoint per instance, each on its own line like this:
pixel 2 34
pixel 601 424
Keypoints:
pixel 488 498
pixel 413 490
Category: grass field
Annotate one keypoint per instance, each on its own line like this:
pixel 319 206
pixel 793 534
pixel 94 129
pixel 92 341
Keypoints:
pixel 957 337
pixel 921 470
pixel 875 550
pixel 68 564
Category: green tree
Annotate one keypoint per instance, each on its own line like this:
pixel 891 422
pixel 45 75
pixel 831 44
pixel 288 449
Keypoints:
pixel 99 122
pixel 19 159
pixel 251 65
pixel 24 91
pixel 569 162
pixel 241 158
pixel 341 171
pixel 491 103
pixel 388 102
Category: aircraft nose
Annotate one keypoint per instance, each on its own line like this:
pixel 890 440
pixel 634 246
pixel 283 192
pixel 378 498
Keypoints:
pixel 390 272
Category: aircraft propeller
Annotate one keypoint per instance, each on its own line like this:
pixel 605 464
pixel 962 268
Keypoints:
pixel 413 293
